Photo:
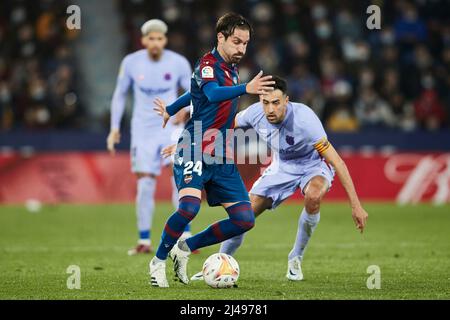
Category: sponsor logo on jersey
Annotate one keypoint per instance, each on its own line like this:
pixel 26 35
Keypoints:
pixel 154 91
pixel 207 72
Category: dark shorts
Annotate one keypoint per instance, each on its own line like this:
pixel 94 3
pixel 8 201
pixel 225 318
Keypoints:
pixel 222 182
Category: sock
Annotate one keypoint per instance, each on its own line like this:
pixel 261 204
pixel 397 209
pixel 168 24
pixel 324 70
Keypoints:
pixel 156 260
pixel 183 246
pixel 187 210
pixel 241 219
pixel 145 205
pixel 144 234
pixel 307 223
pixel 231 245
pixel 146 242
pixel 175 201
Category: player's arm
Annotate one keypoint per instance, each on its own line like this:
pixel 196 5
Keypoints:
pixel 258 85
pixel 118 106
pixel 330 154
pixel 184 82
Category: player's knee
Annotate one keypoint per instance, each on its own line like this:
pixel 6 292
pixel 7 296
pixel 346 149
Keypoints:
pixel 312 201
pixel 242 216
pixel 188 207
pixel 250 221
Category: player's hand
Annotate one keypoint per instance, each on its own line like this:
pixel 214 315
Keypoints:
pixel 259 84
pixel 169 150
pixel 113 138
pixel 161 110
pixel 360 216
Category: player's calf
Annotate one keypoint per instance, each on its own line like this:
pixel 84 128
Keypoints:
pixel 187 210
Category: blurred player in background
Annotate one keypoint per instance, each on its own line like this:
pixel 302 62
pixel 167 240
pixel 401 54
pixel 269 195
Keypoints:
pixel 151 72
pixel 215 90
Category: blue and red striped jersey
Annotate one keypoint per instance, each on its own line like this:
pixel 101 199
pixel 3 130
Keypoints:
pixel 219 116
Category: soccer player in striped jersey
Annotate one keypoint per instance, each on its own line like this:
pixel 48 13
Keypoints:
pixel 201 160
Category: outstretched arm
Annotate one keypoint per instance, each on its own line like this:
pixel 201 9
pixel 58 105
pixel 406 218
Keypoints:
pixel 358 213
pixel 258 85
pixel 182 101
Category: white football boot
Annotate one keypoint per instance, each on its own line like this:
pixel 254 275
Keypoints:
pixel 294 271
pixel 180 260
pixel 197 277
pixel 158 273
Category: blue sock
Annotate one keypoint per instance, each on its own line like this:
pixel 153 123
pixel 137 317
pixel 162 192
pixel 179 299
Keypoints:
pixel 188 228
pixel 177 222
pixel 144 235
pixel 241 219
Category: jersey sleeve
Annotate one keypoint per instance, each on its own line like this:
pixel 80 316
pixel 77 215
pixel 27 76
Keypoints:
pixel 124 81
pixel 185 70
pixel 317 135
pixel 245 118
pixel 205 72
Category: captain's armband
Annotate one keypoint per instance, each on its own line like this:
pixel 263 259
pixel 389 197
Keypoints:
pixel 322 145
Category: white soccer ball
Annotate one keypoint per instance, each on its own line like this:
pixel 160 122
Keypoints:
pixel 33 205
pixel 220 270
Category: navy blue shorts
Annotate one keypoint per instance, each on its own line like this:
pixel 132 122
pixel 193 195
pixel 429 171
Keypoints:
pixel 222 182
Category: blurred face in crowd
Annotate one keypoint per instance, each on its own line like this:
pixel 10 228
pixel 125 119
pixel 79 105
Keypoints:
pixel 274 104
pixel 155 42
pixel 233 48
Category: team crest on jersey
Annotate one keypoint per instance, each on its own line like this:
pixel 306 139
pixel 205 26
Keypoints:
pixel 187 178
pixel 208 72
pixel 290 140
pixel 167 76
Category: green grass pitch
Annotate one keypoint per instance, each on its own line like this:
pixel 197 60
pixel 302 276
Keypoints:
pixel 410 244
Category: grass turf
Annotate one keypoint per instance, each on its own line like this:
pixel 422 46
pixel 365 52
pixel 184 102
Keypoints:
pixel 410 244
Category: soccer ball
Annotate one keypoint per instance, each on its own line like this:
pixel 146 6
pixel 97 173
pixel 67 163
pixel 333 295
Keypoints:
pixel 220 270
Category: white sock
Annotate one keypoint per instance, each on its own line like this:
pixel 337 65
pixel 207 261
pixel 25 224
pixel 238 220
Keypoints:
pixel 145 203
pixel 307 223
pixel 145 242
pixel 231 245
pixel 156 260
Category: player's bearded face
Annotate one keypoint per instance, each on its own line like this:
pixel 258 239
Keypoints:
pixel 274 104
pixel 235 46
pixel 155 43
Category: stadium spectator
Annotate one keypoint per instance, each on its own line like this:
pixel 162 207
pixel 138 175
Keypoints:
pixel 37 79
pixel 313 44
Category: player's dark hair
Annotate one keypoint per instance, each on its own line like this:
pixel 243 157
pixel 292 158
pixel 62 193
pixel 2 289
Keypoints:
pixel 280 84
pixel 230 21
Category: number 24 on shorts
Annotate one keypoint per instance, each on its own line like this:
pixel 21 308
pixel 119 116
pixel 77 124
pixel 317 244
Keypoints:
pixel 189 167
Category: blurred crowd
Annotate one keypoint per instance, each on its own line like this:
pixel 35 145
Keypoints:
pixel 354 78
pixel 37 68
